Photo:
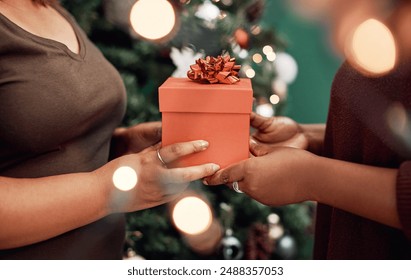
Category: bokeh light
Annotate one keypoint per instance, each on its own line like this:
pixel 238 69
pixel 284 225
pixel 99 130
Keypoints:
pixel 276 231
pixel 208 11
pixel 192 215
pixel 255 30
pixel 397 119
pixel 125 178
pixel 286 67
pixel 257 58
pixel 153 19
pixel 273 218
pixel 250 73
pixel 372 48
pixel 279 87
pixel 243 53
pixel 228 2
pixel 274 99
pixel 271 56
pixel 312 9
pixel 267 49
pixel 265 110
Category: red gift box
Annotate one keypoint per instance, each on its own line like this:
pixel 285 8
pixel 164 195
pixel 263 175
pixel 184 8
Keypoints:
pixel 217 113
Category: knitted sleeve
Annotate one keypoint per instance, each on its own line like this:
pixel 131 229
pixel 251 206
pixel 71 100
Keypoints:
pixel 404 197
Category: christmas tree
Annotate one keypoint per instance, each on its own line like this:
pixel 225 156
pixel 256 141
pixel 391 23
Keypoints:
pixel 243 228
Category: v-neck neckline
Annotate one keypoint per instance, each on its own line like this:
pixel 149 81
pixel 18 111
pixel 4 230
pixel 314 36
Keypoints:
pixel 43 40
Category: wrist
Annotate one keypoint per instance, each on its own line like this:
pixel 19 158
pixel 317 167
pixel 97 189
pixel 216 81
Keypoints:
pixel 104 191
pixel 314 133
pixel 312 173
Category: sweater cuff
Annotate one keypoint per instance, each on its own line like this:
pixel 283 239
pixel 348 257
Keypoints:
pixel 404 197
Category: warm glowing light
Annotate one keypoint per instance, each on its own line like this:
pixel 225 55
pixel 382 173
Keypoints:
pixel 275 232
pixel 397 118
pixel 243 53
pixel 267 49
pixel 286 67
pixel 274 99
pixel 373 47
pixel 257 58
pixel 152 19
pixel 250 73
pixel 208 11
pixel 255 30
pixel 265 110
pixel 192 215
pixel 398 121
pixel 280 88
pixel 273 219
pixel 222 15
pixel 271 56
pixel 125 178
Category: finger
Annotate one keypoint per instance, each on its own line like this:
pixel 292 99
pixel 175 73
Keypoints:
pixel 259 122
pixel 189 174
pixel 257 149
pixel 151 131
pixel 172 152
pixel 233 173
pixel 152 148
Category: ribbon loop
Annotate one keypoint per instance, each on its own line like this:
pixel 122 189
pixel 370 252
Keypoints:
pixel 220 69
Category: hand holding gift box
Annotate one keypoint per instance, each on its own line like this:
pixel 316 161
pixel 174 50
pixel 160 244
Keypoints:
pixel 216 109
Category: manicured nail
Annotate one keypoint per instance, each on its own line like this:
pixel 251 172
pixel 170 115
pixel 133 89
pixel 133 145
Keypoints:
pixel 203 145
pixel 215 167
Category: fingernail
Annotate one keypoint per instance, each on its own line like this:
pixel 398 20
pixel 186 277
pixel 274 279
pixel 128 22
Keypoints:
pixel 253 142
pixel 215 167
pixel 203 144
pixel 205 182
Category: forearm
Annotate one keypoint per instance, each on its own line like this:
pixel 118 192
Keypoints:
pixel 315 136
pixel 363 190
pixel 33 210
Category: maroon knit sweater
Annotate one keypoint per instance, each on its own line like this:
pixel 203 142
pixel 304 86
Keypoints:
pixel 358 131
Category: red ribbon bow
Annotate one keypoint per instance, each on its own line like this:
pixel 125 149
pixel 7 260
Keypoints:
pixel 215 70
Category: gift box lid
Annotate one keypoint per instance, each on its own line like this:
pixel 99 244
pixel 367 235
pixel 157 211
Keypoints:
pixel 185 95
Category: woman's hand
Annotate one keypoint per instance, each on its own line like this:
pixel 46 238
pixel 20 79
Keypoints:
pixel 135 139
pixel 278 178
pixel 156 183
pixel 284 132
pixel 274 132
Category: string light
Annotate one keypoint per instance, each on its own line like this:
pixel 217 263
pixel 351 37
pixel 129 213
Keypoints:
pixel 286 67
pixel 208 11
pixel 243 53
pixel 192 215
pixel 372 48
pixel 274 99
pixel 265 110
pixel 228 2
pixel 153 19
pixel 271 56
pixel 125 178
pixel 279 87
pixel 257 58
pixel 248 71
pixel 255 30
pixel 267 49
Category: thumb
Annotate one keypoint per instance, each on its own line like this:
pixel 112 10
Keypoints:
pixel 257 149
